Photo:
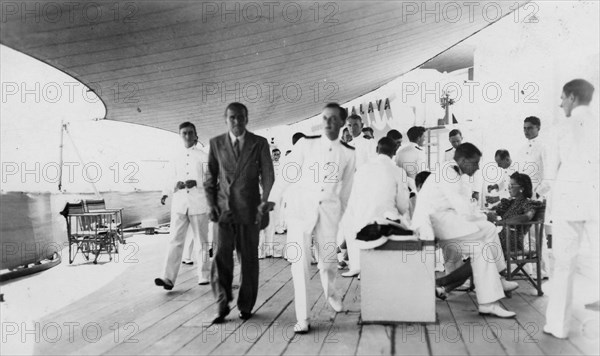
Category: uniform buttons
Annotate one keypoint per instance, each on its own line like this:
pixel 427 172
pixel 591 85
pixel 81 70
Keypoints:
pixel 330 149
pixel 322 189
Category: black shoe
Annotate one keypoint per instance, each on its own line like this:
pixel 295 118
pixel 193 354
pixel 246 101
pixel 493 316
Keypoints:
pixel 245 315
pixel 163 283
pixel 220 318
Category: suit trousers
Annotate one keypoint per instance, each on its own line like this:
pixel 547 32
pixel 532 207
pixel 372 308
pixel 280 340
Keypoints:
pixel 487 260
pixel 179 229
pixel 568 237
pixel 298 252
pixel 244 239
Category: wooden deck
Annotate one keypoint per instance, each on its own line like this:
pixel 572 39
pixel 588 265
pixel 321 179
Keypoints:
pixel 131 316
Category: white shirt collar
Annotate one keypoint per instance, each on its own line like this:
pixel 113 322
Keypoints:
pixel 581 110
pixel 241 137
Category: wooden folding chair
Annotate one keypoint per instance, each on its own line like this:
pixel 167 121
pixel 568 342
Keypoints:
pixel 530 252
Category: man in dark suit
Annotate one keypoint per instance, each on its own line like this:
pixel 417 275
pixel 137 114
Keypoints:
pixel 238 162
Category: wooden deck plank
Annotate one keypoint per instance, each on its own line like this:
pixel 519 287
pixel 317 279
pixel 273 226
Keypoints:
pixel 255 328
pixel 150 321
pixel 410 339
pixel 532 323
pixel 345 331
pixel 472 326
pixel 214 335
pixel 375 340
pixel 512 337
pixel 321 318
pixel 277 337
pixel 587 343
pixel 444 336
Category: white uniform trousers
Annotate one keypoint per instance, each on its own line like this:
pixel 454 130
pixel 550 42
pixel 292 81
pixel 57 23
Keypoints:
pixel 179 228
pixel 568 238
pixel 487 260
pixel 188 251
pixel 298 252
pixel 266 244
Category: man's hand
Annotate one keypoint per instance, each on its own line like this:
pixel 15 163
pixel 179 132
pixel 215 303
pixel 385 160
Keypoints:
pixel 263 208
pixel 163 199
pixel 492 216
pixel 215 214
pixel 179 185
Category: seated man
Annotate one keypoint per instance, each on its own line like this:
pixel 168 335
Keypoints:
pixel 379 187
pixel 444 210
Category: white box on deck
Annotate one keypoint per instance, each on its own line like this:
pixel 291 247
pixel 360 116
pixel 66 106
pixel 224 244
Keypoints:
pixel 398 283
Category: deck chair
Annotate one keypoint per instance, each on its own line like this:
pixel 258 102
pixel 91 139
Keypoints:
pixel 116 221
pixel 530 252
pixel 92 232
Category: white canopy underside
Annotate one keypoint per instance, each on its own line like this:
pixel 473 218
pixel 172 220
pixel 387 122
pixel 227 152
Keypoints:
pixel 161 63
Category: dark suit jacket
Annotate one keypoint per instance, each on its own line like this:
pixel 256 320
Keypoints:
pixel 234 185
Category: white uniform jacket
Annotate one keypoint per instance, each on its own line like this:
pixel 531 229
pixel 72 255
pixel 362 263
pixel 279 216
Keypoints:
pixel 188 164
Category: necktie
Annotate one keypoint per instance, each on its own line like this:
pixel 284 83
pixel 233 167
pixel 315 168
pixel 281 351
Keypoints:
pixel 236 148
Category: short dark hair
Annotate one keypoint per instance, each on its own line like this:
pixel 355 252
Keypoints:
pixel 236 106
pixel 296 137
pixel 525 182
pixel 535 121
pixel 466 150
pixel 367 129
pixel 415 132
pixel 502 153
pixel 275 150
pixel 581 89
pixel 183 125
pixel 421 177
pixel 355 117
pixel 342 111
pixel 394 134
pixel 386 146
pixel 455 132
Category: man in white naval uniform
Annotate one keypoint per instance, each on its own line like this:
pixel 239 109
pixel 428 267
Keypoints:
pixel 530 158
pixel 188 208
pixel 455 138
pixel 365 149
pixel 379 189
pixel 317 180
pixel 574 174
pixel 444 211
pixel 412 157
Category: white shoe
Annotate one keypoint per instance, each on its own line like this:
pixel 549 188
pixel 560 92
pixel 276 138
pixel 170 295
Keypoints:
pixel 508 286
pixel 336 304
pixel 558 335
pixel 203 281
pixel 495 309
pixel 302 327
pixel 352 273
pixel 464 287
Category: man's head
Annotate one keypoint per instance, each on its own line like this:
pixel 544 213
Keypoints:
pixel 297 136
pixel 386 146
pixel 396 136
pixel 187 131
pixel 276 153
pixel 334 118
pixel 416 134
pixel 368 132
pixel 420 178
pixel 354 125
pixel 576 93
pixel 236 117
pixel 455 138
pixel 467 156
pixel 531 127
pixel 346 135
pixel 503 159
